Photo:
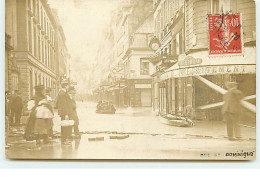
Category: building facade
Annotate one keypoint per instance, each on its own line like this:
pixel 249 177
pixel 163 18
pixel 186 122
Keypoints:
pixel 35 31
pixel 191 80
pixel 126 74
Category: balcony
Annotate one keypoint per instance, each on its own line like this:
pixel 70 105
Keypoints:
pixel 156 58
pixel 169 60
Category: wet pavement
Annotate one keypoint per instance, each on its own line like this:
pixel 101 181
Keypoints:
pixel 133 134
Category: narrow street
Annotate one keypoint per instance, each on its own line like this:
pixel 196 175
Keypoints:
pixel 135 134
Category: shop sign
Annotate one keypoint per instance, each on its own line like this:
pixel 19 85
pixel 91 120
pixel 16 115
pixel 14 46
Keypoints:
pixel 212 70
pixel 225 34
pixel 190 61
pixel 143 86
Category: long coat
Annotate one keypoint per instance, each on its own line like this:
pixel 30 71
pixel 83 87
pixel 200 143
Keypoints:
pixel 232 102
pixel 16 103
pixel 73 115
pixel 63 103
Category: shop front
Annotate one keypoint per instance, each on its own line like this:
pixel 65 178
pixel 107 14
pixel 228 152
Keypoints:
pixel 182 92
pixel 140 92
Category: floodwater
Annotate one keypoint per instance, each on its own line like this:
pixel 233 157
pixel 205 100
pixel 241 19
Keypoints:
pixel 136 134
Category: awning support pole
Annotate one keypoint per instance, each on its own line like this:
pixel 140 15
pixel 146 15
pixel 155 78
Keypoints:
pixel 222 103
pixel 247 105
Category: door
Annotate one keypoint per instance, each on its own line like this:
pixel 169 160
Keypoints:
pixel 146 97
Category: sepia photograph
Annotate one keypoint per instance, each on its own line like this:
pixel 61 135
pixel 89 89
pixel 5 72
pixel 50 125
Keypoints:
pixel 130 79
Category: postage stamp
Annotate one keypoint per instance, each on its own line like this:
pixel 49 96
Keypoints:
pixel 225 34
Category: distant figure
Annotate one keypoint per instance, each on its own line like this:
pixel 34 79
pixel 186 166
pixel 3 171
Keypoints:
pixel 7 104
pixel 73 115
pixel 16 106
pixel 231 110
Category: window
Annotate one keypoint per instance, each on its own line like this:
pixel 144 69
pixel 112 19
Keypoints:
pixel 43 54
pixel 214 6
pixel 40 80
pixel 30 34
pixel 219 6
pixel 34 7
pixel 144 67
pixel 177 44
pixel 46 54
pixel 42 23
pixel 29 4
pixel 35 79
pixel 174 46
pixel 15 81
pixel 35 43
pixel 39 47
pixel 181 48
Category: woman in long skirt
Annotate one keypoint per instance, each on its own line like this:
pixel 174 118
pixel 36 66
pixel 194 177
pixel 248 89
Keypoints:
pixel 40 119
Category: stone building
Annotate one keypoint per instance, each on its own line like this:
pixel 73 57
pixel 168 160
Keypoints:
pixel 35 31
pixel 196 77
pixel 127 71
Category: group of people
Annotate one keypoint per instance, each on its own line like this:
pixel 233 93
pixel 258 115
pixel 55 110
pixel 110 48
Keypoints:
pixel 40 122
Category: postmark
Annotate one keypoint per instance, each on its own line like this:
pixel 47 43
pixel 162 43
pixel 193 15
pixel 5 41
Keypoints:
pixel 225 34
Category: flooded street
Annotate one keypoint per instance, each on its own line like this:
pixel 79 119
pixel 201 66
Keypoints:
pixel 135 134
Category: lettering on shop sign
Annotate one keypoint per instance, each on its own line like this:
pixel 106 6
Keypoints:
pixel 210 70
pixel 143 86
pixel 225 34
pixel 190 61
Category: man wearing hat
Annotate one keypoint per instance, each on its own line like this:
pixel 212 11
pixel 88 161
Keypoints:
pixel 63 104
pixel 63 101
pixel 74 115
pixel 16 106
pixel 232 109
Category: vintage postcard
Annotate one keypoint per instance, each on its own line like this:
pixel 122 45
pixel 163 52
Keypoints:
pixel 130 79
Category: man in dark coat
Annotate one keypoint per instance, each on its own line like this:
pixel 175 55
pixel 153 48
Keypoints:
pixel 63 103
pixel 16 106
pixel 232 109
pixel 74 115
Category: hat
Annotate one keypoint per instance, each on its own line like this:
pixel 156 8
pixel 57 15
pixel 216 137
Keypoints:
pixel 39 87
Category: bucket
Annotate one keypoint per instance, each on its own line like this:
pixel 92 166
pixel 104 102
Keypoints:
pixel 66 131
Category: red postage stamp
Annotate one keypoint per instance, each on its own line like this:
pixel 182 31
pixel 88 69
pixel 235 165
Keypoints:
pixel 225 34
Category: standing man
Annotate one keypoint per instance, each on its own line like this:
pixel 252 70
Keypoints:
pixel 16 106
pixel 63 104
pixel 74 115
pixel 231 110
pixel 63 101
